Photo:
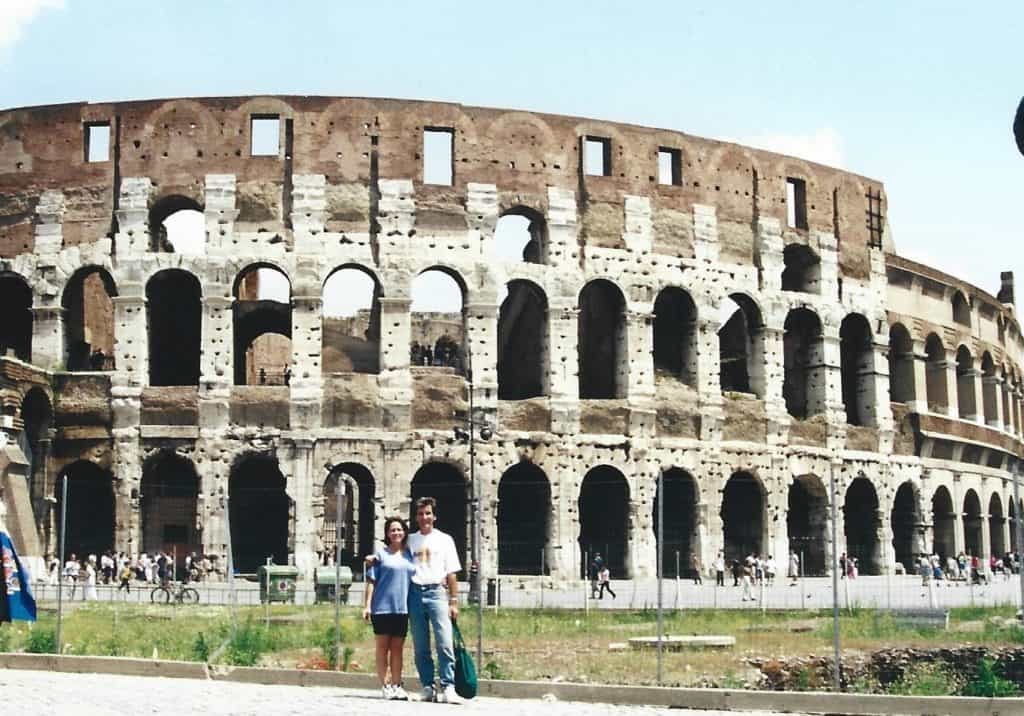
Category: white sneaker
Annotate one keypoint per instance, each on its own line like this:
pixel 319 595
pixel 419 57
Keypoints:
pixel 398 693
pixel 428 694
pixel 387 691
pixel 448 696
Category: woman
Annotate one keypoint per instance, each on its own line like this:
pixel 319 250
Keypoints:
pixel 386 607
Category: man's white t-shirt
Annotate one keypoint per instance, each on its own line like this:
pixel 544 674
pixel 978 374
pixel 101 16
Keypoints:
pixel 435 557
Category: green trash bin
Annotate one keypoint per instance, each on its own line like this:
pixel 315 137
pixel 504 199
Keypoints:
pixel 324 578
pixel 277 582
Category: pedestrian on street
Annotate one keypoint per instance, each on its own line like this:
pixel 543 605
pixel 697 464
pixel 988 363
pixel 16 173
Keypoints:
pixel 604 579
pixel 719 570
pixel 387 605
pixel 697 568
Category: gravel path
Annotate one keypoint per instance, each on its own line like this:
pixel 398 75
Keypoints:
pixel 48 693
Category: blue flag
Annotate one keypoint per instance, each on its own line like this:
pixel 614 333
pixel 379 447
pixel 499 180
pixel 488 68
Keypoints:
pixel 21 604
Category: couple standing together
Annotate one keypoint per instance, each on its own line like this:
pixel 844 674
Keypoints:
pixel 411 583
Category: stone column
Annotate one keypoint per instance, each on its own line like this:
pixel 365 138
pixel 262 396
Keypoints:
pixel 49 229
pixel 772 370
pixel 217 362
pixel 131 337
pixel 306 382
pixel 952 389
pixel 220 213
pixel 771 246
pixel 639 370
pixel 563 367
pixel 979 396
pixel 837 497
pixel 828 284
pixel 482 349
pixel 300 490
pixel 705 233
pixel 994 421
pixel 563 245
pixel 986 534
pixel 309 212
pixel 825 384
pixel 959 540
pixel 395 377
pixel 48 337
pixel 920 358
pixel 708 377
pixel 133 216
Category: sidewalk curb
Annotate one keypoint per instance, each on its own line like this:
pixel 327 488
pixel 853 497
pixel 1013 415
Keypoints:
pixel 718 699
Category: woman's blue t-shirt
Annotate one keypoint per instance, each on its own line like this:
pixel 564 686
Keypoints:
pixel 391 574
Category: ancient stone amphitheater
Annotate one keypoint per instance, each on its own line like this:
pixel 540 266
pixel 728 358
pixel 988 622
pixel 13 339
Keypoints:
pixel 629 303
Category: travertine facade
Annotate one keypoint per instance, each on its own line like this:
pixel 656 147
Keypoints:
pixel 733 318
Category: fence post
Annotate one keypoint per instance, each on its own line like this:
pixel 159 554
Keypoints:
pixel 60 567
pixel 836 652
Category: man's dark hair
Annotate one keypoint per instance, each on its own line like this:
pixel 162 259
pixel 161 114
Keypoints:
pixel 424 501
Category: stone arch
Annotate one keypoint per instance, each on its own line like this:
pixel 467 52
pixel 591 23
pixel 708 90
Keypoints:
pixel 350 331
pixel 177 225
pixel 906 523
pixel 262 327
pixel 943 523
pixel 967 406
pixel 358 515
pixel 996 520
pixel 16 329
pixel 601 347
pixel 168 505
pixel 989 390
pixel 89 319
pixel 682 522
pixel 676 337
pixel 972 523
pixel 446 483
pixel 862 525
pixel 935 374
pixel 260 512
pixel 524 520
pixel 603 506
pixel 741 348
pixel 438 318
pixel 744 516
pixel 901 365
pixel 807 520
pixel 802 269
pixel 857 369
pixel 526 142
pixel 803 345
pixel 34 439
pixel 91 511
pixel 523 349
pixel 174 308
pixel 961 309
pixel 521 234
pixel 1011 515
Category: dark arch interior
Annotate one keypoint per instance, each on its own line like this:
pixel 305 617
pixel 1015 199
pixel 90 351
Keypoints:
pixel 860 517
pixel 16 328
pixel 961 311
pixel 997 546
pixel 943 523
pixel 252 318
pixel 972 523
pixel 522 343
pixel 675 323
pixel 89 320
pixel 447 486
pixel 803 362
pixel 175 309
pixel 90 509
pixel 601 335
pixel 260 512
pixel 856 367
pixel 905 520
pixel 168 501
pixel 901 365
pixel 37 418
pixel 935 375
pixel 966 404
pixel 802 269
pixel 680 522
pixel 524 508
pixel 807 522
pixel 736 346
pixel 1012 516
pixel 743 516
pixel 351 342
pixel 358 519
pixel 604 518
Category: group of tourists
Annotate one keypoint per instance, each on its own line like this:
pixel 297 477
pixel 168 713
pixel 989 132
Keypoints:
pixel 600 577
pixel 965 568
pixel 445 352
pixel 411 583
pixel 110 568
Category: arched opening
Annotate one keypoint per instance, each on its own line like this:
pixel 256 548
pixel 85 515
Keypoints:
pixel 174 307
pixel 802 269
pixel 961 310
pixel 90 509
pixel 351 322
pixel 89 320
pixel 997 545
pixel 16 328
pixel 935 374
pixel 943 521
pixel 807 523
pixel 972 524
pixel 803 347
pixel 358 515
pixel 439 321
pixel 522 342
pixel 905 521
pixel 862 526
pixel 167 503
pixel 524 513
pixel 965 401
pixel 177 225
pixel 741 346
pixel 857 369
pixel 260 512
pixel 604 520
pixel 447 485
pixel 682 540
pixel 521 235
pixel 262 314
pixel 743 516
pixel 601 345
pixel 901 365
pixel 989 391
pixel 1012 516
pixel 675 336
pixel 34 440
pixel 1007 377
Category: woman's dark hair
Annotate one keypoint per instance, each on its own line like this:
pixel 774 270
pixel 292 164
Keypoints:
pixel 399 520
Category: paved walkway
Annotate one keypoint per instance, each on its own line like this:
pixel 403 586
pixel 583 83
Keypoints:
pixel 47 693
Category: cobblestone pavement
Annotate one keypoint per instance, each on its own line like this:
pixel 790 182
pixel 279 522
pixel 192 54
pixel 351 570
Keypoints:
pixel 47 693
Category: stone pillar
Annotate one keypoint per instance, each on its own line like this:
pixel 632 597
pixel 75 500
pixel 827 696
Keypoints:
pixel 705 233
pixel 131 337
pixel 986 534
pixel 920 364
pixel 959 540
pixel 640 544
pixel 396 215
pixel 309 212
pixel 306 382
pixel 563 366
pixel 708 377
pixel 952 389
pixel 638 233
pixel 220 213
pixel 217 361
pixel 48 337
pixel 482 349
pixel 825 383
pixel 482 216
pixel 770 247
pixel 639 369
pixel 300 490
pixel 978 415
pixel 395 378
pixel 837 496
pixel 828 284
pixel 772 369
pixel 49 228
pixel 563 246
pixel 995 383
pixel 133 216
pixel 213 464
pixel 127 467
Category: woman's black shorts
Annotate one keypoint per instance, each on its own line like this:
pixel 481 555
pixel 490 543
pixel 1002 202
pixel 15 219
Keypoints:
pixel 390 624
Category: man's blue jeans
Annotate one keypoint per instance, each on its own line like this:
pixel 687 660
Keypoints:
pixel 428 609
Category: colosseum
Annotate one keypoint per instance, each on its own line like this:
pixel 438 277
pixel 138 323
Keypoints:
pixel 629 304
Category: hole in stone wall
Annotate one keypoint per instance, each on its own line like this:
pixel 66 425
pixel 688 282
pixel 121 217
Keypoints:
pixel 446 484
pixel 439 156
pixel 937 391
pixel 90 509
pixel 804 384
pixel 943 521
pixel 89 320
pixel 961 310
pixel 174 308
pixel 862 524
pixel 740 346
pixel 807 523
pixel 967 406
pixel 351 322
pixel 358 516
pixel 97 142
pixel 743 519
pixel 16 328
pixel 521 235
pixel 524 511
pixel 177 225
pixel 802 270
pixel 901 365
pixel 438 322
pixel 857 369
pixel 675 335
pixel 972 524
pixel 597 156
pixel 259 512
pixel 168 502
pixel 262 324
pixel 670 167
pixel 601 345
pixel 989 390
pixel 265 135
pixel 522 342
pixel 796 203
pixel 681 550
pixel 905 523
pixel 604 520
pixel 37 417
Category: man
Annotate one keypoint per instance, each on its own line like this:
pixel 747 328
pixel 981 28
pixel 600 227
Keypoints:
pixel 596 565
pixel 431 604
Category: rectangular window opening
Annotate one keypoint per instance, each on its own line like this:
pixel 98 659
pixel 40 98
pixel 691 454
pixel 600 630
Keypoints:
pixel 796 203
pixel 439 156
pixel 97 142
pixel 670 167
pixel 265 135
pixel 597 156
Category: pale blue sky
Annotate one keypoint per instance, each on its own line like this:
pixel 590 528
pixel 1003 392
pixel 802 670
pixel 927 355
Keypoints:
pixel 919 95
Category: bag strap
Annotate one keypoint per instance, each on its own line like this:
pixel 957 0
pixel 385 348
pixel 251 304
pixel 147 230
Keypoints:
pixel 457 641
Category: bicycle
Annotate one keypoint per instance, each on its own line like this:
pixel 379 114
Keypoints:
pixel 179 592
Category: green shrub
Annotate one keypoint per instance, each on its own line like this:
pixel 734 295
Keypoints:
pixel 41 641
pixel 247 645
pixel 493 670
pixel 924 679
pixel 200 648
pixel 988 683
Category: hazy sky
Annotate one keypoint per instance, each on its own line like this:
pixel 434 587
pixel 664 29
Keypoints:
pixel 919 95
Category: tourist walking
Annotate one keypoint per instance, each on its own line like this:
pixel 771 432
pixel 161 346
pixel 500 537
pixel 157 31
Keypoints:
pixel 126 578
pixel 71 572
pixel 719 570
pixel 697 568
pixel 594 568
pixel 387 605
pixel 89 592
pixel 794 568
pixel 604 579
